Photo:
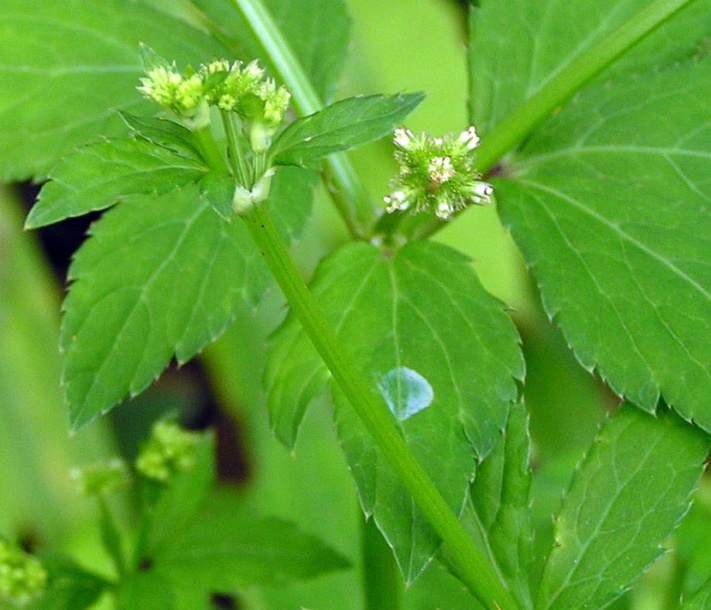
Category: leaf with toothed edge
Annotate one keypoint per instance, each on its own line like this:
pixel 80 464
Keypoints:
pixel 160 276
pixel 609 203
pixel 626 498
pixel 501 505
pixel 440 351
pixel 101 174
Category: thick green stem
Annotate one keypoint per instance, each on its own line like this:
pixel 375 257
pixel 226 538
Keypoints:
pixel 474 569
pixel 349 195
pixel 520 124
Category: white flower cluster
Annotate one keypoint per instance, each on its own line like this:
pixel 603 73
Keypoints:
pixel 436 174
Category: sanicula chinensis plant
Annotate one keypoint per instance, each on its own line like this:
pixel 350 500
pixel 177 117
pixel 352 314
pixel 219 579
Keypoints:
pixel 203 191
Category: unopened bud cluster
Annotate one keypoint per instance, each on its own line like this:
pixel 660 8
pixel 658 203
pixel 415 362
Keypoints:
pixel 233 87
pixel 22 576
pixel 436 174
pixel 103 478
pixel 169 450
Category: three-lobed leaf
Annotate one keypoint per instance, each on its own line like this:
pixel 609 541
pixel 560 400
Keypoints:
pixel 160 276
pixel 66 70
pixel 608 203
pixel 346 124
pixel 628 495
pixel 440 351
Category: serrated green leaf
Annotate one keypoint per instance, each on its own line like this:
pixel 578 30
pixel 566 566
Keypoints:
pixel 65 70
pixel 500 496
pixel 543 37
pixel 609 206
pixel 160 276
pixel 165 133
pixel 441 351
pixel 226 548
pixel 99 175
pixel 701 599
pixel 628 495
pixel 317 32
pixel 346 124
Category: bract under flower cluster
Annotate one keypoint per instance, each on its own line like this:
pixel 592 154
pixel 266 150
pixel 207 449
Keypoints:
pixel 436 173
pixel 22 576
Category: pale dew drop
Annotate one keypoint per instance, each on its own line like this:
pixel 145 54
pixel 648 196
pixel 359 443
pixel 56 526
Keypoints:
pixel 406 392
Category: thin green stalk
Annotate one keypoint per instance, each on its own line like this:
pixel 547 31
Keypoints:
pixel 474 569
pixel 520 124
pixel 237 161
pixel 349 195
pixel 110 536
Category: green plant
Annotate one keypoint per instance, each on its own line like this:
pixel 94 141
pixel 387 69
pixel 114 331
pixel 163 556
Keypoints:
pixel 594 126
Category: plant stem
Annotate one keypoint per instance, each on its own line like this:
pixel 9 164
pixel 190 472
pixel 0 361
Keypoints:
pixel 237 162
pixel 348 194
pixel 515 128
pixel 474 569
pixel 111 537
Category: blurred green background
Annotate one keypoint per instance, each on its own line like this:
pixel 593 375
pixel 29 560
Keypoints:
pixel 400 45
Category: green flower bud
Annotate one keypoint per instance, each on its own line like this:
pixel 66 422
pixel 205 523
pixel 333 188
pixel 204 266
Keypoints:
pixel 103 478
pixel 436 174
pixel 23 578
pixel 169 450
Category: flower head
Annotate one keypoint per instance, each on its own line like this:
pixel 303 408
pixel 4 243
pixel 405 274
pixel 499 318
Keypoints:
pixel 169 450
pixel 22 576
pixel 232 87
pixel 102 478
pixel 436 174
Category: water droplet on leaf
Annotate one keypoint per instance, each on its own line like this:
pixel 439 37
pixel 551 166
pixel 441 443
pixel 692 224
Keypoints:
pixel 406 392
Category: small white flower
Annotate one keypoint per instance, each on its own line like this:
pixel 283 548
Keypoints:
pixel 441 169
pixel 481 192
pixel 444 210
pixel 396 201
pixel 403 138
pixel 470 138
